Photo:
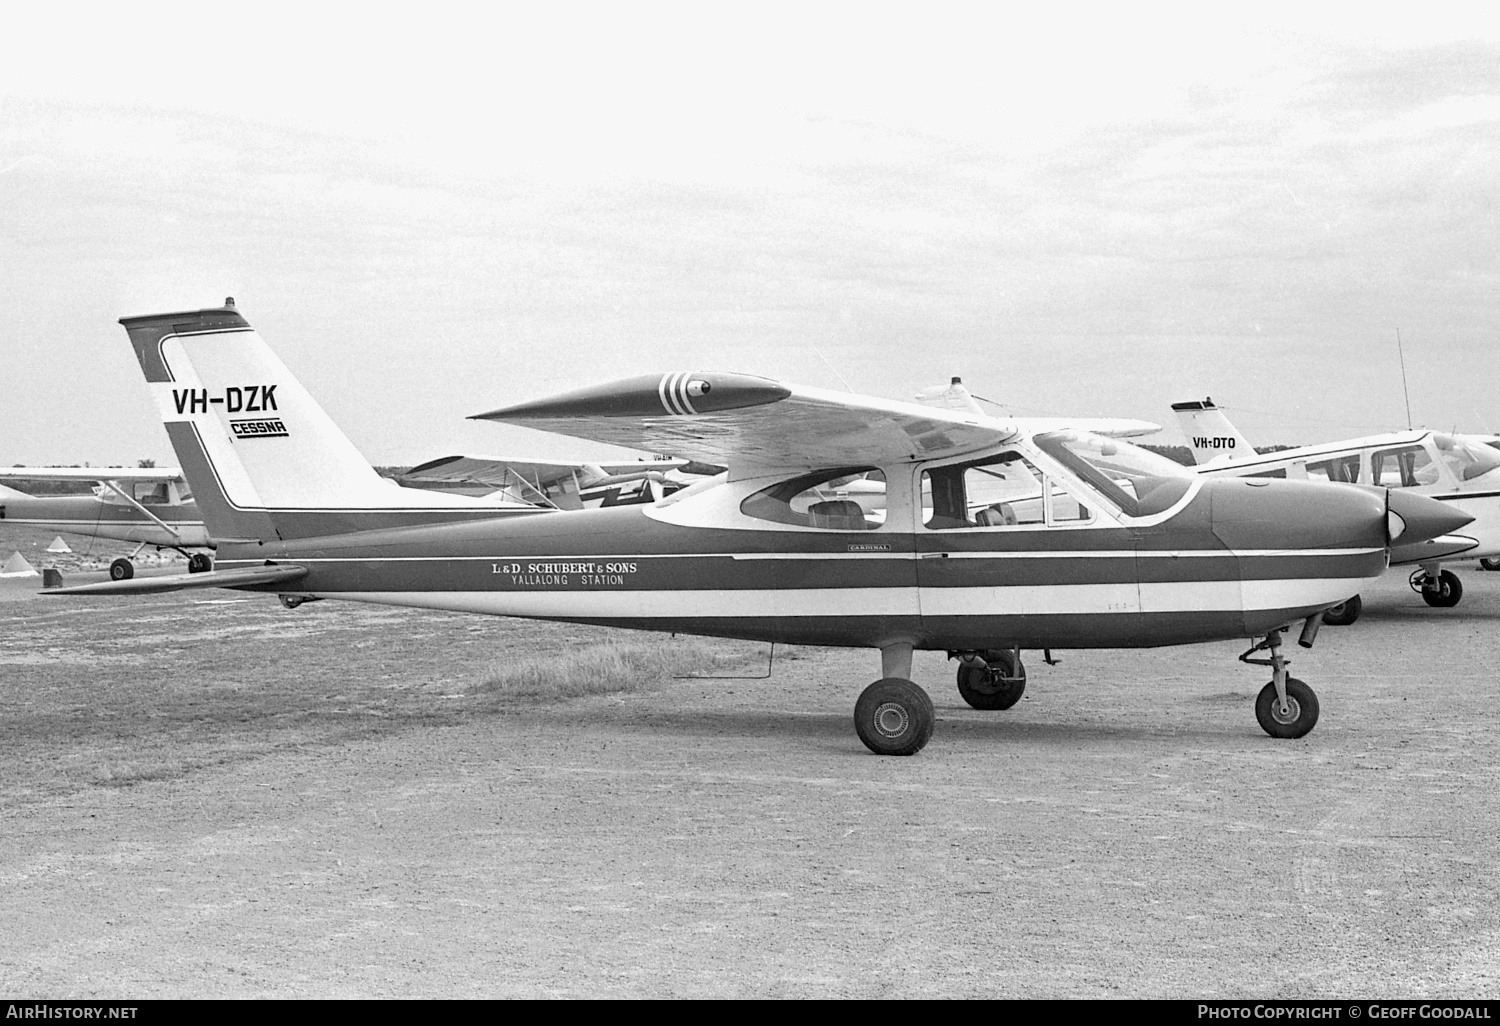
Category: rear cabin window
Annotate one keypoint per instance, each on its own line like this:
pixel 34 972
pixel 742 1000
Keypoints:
pixel 1343 468
pixel 850 499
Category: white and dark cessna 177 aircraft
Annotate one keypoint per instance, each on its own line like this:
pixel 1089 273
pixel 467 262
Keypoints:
pixel 993 537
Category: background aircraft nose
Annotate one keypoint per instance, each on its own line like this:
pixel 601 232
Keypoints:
pixel 1416 518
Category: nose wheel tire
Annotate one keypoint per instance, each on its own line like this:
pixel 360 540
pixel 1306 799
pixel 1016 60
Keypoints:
pixel 996 686
pixel 894 717
pixel 1343 614
pixel 1447 593
pixel 1297 719
pixel 121 569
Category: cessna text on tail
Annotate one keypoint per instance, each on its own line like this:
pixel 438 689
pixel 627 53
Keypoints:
pixel 993 536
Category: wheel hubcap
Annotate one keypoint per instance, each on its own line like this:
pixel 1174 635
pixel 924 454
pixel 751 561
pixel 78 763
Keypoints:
pixel 891 720
pixel 1288 713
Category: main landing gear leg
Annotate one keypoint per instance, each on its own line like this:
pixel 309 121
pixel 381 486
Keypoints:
pixel 1286 707
pixel 894 716
pixel 123 569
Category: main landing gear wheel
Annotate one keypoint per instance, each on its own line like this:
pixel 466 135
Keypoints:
pixel 1343 614
pixel 199 563
pixel 121 569
pixel 1443 594
pixel 1299 716
pixel 894 717
pixel 996 686
pixel 1490 564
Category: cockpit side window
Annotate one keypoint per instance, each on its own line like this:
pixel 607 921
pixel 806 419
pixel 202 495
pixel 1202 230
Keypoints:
pixel 847 499
pixel 1407 467
pixel 999 491
pixel 152 493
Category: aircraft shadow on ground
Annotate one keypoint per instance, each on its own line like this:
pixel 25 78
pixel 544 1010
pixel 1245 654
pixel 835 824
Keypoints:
pixel 836 730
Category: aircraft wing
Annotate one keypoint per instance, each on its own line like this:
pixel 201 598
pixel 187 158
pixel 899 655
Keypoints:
pixel 1109 427
pixel 138 474
pixel 242 577
pixel 739 419
pixel 499 471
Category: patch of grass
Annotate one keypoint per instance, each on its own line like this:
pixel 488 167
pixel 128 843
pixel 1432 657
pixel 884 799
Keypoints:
pixel 124 774
pixel 610 667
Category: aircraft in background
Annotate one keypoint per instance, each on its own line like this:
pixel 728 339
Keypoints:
pixel 1141 553
pixel 956 396
pixel 146 505
pixel 563 484
pixel 155 507
pixel 1460 471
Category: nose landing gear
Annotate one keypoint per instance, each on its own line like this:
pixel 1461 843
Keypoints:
pixel 993 679
pixel 1439 588
pixel 1286 707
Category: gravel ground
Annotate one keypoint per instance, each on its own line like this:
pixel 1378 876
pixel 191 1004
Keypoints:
pixel 206 795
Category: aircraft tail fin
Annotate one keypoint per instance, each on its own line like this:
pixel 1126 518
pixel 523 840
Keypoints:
pixel 264 460
pixel 1209 434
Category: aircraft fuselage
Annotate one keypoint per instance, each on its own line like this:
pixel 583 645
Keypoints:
pixel 93 517
pixel 1230 559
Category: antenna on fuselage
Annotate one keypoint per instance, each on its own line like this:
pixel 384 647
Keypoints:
pixel 1400 353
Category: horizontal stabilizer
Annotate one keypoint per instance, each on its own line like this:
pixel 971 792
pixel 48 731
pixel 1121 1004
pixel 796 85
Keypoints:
pixel 135 475
pixel 243 577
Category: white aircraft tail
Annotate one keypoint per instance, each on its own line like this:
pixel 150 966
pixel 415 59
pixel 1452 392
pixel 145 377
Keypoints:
pixel 1210 435
pixel 263 459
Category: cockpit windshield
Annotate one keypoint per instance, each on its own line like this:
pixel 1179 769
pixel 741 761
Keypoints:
pixel 1466 461
pixel 1139 482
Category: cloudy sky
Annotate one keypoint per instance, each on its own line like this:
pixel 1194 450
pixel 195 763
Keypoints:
pixel 430 211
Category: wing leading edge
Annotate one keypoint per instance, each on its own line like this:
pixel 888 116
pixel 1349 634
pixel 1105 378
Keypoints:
pixel 740 420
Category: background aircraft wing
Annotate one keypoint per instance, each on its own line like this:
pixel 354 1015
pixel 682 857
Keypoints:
pixel 1109 427
pixel 139 474
pixel 500 471
pixel 737 419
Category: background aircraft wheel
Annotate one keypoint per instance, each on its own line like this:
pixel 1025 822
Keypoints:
pixel 1490 564
pixel 1343 614
pixel 983 688
pixel 199 563
pixel 1449 590
pixel 894 717
pixel 1300 718
pixel 121 569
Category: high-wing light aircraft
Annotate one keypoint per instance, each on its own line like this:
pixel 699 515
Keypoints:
pixel 149 506
pixel 1461 472
pixel 146 505
pixel 1117 548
